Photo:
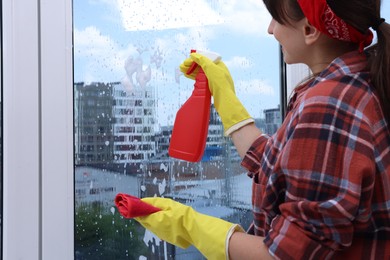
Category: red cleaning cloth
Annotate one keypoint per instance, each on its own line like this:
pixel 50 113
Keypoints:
pixel 131 206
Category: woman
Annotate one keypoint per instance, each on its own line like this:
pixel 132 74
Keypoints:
pixel 321 184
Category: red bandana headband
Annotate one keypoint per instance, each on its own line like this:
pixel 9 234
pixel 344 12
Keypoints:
pixel 321 16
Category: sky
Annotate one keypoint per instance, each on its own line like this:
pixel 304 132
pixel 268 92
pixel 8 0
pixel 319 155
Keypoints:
pixel 158 35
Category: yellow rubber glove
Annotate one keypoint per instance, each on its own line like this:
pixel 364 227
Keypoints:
pixel 182 226
pixel 233 114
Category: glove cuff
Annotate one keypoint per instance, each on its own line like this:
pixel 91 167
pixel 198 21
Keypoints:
pixel 233 229
pixel 237 126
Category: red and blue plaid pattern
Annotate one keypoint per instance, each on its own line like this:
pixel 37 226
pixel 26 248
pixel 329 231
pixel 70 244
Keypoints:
pixel 321 183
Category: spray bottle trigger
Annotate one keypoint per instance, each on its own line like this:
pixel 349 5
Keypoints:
pixel 193 65
pixel 192 68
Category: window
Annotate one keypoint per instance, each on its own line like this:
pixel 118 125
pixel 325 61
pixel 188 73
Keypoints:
pixel 127 91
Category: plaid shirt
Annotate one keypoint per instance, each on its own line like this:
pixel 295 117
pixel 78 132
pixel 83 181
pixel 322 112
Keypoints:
pixel 321 183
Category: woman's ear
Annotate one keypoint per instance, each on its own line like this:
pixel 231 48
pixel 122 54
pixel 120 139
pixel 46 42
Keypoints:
pixel 310 33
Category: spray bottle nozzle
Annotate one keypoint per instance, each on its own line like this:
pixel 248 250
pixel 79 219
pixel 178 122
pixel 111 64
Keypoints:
pixel 215 57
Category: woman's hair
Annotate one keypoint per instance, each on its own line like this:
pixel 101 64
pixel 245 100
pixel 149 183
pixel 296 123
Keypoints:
pixel 361 14
pixel 284 11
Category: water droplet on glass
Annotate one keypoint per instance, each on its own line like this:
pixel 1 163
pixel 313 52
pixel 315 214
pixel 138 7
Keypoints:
pixel 163 167
pixel 162 186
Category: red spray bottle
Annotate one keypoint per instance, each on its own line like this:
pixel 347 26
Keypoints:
pixel 189 133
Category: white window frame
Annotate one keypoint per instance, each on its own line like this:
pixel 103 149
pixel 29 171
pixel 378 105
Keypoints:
pixel 38 193
pixel 295 74
pixel 38 130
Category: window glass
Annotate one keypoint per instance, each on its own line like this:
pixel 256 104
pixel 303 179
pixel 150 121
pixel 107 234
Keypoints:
pixel 127 90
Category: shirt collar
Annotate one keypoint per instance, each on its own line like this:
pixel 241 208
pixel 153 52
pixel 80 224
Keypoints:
pixel 347 64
